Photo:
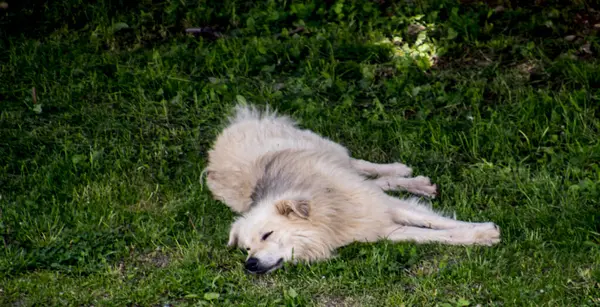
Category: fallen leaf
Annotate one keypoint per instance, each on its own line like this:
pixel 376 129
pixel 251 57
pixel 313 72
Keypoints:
pixel 587 48
pixel 211 296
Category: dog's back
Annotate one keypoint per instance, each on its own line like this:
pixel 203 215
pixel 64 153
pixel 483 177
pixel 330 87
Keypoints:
pixel 251 134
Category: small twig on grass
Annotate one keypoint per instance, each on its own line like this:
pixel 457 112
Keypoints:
pixel 484 56
pixel 33 94
pixel 192 223
pixel 3 235
pixel 297 30
pixel 205 31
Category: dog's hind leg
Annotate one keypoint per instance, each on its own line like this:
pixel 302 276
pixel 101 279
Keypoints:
pixel 410 212
pixel 480 235
pixel 418 185
pixel 374 169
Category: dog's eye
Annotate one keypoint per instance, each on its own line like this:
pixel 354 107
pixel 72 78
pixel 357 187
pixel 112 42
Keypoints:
pixel 266 235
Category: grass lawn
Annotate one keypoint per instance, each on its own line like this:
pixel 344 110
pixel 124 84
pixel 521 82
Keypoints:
pixel 101 200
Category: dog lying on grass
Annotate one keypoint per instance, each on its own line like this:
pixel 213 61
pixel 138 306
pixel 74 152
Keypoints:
pixel 302 196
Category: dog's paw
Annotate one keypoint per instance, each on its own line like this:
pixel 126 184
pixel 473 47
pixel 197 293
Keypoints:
pixel 486 234
pixel 422 185
pixel 400 170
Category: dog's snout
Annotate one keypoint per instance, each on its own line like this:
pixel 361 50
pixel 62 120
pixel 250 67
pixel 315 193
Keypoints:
pixel 252 264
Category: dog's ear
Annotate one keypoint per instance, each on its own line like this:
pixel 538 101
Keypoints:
pixel 300 208
pixel 234 234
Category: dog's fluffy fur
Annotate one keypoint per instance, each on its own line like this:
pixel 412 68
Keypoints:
pixel 301 196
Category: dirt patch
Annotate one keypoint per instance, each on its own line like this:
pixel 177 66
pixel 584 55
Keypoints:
pixel 157 258
pixel 431 266
pixel 340 301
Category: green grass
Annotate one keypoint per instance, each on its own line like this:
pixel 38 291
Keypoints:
pixel 100 193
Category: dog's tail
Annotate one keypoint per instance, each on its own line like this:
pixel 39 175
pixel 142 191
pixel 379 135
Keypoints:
pixel 244 112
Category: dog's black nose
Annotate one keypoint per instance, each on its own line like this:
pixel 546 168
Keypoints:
pixel 252 264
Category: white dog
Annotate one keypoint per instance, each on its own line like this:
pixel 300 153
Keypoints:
pixel 302 196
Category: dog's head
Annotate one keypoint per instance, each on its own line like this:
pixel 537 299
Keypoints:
pixel 274 234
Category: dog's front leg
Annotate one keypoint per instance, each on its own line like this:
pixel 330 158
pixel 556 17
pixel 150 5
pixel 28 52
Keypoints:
pixel 480 235
pixel 411 212
pixel 419 185
pixel 374 169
